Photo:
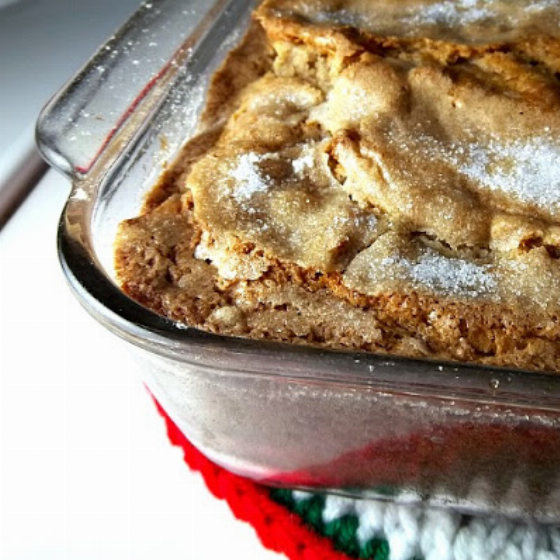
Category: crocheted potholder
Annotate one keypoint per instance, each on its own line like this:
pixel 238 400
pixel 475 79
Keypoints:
pixel 309 526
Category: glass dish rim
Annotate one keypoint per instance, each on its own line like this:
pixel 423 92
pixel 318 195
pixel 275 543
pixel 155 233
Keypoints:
pixel 97 292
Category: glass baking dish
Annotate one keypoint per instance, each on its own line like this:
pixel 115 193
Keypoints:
pixel 469 437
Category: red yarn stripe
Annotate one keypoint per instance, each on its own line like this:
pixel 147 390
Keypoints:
pixel 277 528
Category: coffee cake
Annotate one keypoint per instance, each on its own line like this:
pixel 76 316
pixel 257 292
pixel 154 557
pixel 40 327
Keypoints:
pixel 370 175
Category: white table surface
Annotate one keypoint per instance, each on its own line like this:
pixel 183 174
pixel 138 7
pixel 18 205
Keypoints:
pixel 86 470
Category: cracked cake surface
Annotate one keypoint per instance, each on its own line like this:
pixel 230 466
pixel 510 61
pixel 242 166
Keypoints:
pixel 370 175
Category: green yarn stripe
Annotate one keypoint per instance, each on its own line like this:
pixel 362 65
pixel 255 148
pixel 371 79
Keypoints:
pixel 341 531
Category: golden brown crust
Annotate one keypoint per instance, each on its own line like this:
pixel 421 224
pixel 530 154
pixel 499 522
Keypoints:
pixel 157 266
pixel 353 189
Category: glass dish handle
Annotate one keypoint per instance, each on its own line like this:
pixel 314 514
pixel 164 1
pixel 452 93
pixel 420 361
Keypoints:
pixel 105 104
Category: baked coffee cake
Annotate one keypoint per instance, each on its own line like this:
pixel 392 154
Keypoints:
pixel 378 175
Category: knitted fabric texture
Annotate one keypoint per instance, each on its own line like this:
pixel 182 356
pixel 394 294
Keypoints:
pixel 309 526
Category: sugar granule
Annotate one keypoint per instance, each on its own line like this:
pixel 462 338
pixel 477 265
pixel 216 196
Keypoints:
pixel 528 171
pixel 443 275
pixel 249 177
pixel 302 163
pixel 451 12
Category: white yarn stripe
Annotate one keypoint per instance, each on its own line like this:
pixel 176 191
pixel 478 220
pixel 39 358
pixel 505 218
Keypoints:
pixel 337 507
pixel 300 495
pixel 416 531
pixel 371 515
pixel 438 535
pixel 555 538
pixel 402 530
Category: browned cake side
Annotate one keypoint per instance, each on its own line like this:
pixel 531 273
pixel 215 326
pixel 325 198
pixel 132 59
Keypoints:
pixel 390 189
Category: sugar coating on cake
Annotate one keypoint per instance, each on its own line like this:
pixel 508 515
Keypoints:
pixel 379 176
pixel 470 21
pixel 527 170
